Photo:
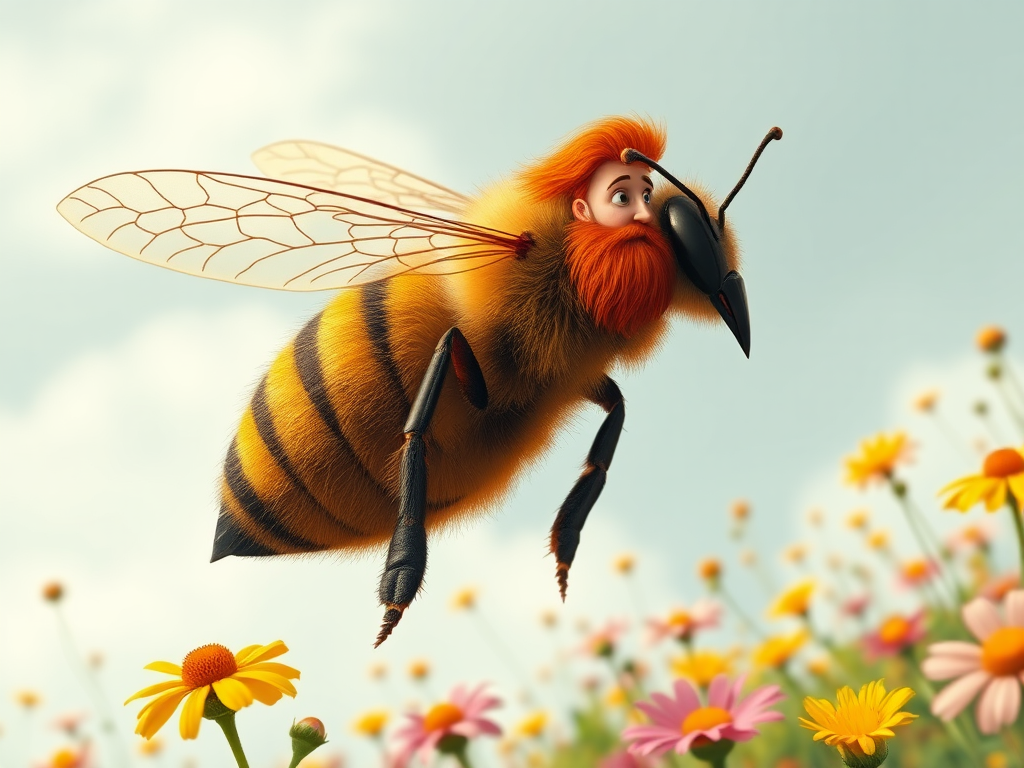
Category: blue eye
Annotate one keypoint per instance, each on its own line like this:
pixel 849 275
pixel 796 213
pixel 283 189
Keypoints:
pixel 647 196
pixel 620 198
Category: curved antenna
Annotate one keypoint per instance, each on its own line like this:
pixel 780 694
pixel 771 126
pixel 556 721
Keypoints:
pixel 773 135
pixel 630 155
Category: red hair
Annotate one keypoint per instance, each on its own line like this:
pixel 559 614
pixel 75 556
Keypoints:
pixel 568 169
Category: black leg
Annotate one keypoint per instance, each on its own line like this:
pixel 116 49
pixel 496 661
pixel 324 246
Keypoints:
pixel 407 553
pixel 565 533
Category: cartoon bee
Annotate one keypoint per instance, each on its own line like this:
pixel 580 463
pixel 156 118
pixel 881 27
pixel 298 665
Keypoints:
pixel 530 292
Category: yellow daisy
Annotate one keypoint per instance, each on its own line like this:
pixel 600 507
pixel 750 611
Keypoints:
pixel 703 666
pixel 533 725
pixel 371 723
pixel 236 680
pixel 776 651
pixel 1002 473
pixel 795 601
pixel 861 723
pixel 878 458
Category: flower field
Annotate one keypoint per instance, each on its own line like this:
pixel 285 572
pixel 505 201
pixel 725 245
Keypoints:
pixel 908 655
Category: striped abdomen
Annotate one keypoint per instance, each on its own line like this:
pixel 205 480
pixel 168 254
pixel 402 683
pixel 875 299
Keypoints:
pixel 313 465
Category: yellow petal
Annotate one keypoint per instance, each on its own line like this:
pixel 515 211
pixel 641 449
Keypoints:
pixel 270 678
pixel 156 713
pixel 192 713
pixel 232 693
pixel 262 653
pixel 164 666
pixel 264 693
pixel 155 689
pixel 242 654
pixel 998 497
pixel 272 666
pixel 1017 489
pixel 867 744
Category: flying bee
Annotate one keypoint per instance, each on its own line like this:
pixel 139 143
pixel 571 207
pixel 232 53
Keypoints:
pixel 529 292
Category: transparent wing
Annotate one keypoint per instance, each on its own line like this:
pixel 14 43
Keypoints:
pixel 340 170
pixel 271 234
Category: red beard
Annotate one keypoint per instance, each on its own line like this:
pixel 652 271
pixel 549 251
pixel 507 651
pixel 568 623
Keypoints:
pixel 624 275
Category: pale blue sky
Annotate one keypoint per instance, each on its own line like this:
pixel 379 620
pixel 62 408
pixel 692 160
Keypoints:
pixel 878 236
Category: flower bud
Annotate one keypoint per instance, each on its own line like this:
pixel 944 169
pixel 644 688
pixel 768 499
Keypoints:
pixel 991 338
pixel 307 735
pixel 53 591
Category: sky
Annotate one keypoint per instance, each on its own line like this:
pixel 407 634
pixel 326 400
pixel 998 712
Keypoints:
pixel 877 237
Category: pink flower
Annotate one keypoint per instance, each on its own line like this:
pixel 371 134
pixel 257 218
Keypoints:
pixel 682 623
pixel 894 634
pixel 855 605
pixel 603 642
pixel 995 669
pixel 916 572
pixel 70 722
pixel 461 715
pixel 681 723
pixel 70 757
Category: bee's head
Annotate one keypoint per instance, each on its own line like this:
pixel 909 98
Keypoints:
pixel 697 242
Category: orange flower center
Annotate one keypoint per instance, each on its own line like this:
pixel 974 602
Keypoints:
pixel 1002 654
pixel 206 665
pixel 65 758
pixel 894 630
pixel 915 569
pixel 441 716
pixel 679 619
pixel 1003 463
pixel 704 718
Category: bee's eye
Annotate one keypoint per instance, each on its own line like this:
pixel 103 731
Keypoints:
pixel 620 198
pixel 647 196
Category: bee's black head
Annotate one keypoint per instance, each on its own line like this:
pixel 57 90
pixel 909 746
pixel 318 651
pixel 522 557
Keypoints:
pixel 696 240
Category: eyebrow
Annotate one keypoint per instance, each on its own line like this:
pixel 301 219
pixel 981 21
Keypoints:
pixel 627 178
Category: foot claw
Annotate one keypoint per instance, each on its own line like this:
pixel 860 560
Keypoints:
pixel 392 616
pixel 562 575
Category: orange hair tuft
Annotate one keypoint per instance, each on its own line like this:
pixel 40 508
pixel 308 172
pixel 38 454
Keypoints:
pixel 568 169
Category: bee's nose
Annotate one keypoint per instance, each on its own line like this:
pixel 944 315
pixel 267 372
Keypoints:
pixel 643 215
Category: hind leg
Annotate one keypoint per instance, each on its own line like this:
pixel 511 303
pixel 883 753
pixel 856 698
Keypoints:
pixel 407 553
pixel 565 533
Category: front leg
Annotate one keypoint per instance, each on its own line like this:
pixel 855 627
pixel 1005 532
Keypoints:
pixel 407 553
pixel 565 533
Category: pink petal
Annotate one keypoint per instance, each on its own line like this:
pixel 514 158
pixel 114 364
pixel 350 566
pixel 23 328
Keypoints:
pixel 948 667
pixel 956 649
pixel 998 705
pixel 751 709
pixel 687 699
pixel 1015 608
pixel 952 699
pixel 982 618
pixel 720 693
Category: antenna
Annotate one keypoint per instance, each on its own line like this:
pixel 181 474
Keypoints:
pixel 773 135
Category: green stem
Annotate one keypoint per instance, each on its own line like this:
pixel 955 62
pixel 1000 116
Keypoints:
pixel 506 655
pixel 227 724
pixel 739 612
pixel 1018 523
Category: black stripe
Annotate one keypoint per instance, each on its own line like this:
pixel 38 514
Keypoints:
pixel 265 426
pixel 306 352
pixel 230 539
pixel 372 298
pixel 311 374
pixel 250 501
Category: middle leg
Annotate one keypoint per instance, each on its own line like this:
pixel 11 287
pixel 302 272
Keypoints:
pixel 407 553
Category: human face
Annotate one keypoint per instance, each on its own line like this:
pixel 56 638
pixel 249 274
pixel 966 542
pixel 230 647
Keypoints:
pixel 618 194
